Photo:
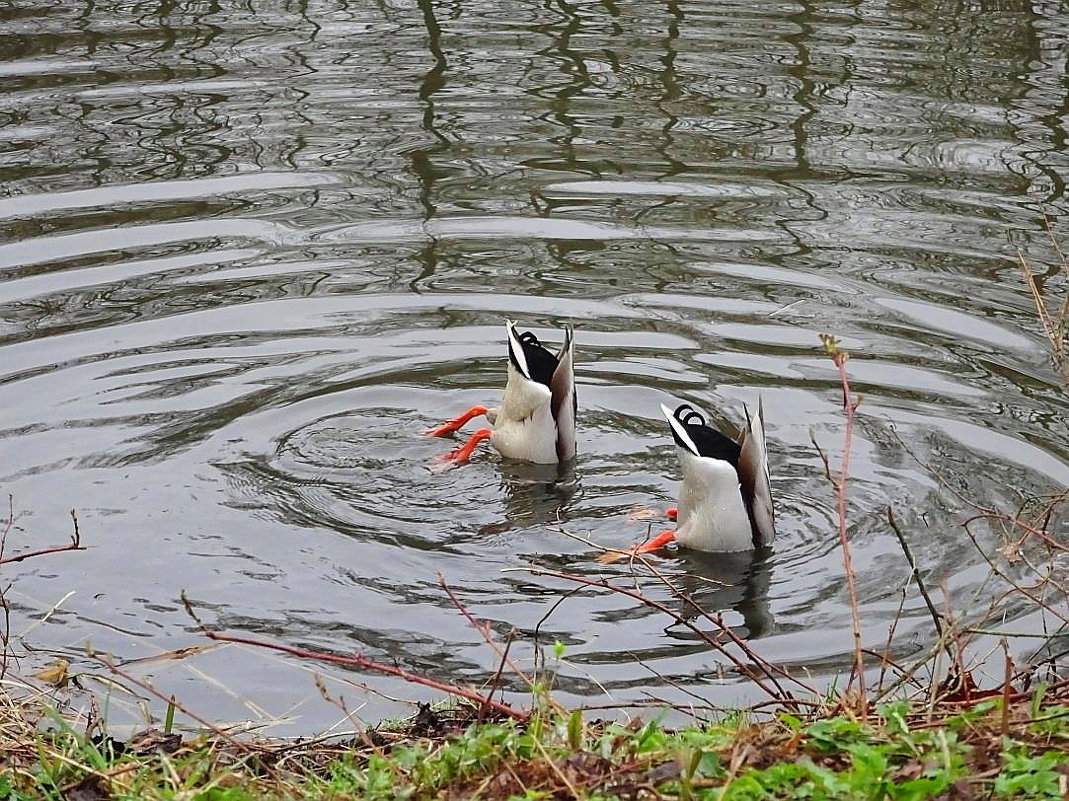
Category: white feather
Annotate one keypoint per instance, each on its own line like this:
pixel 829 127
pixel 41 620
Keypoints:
pixel 516 349
pixel 523 426
pixel 711 511
pixel 680 429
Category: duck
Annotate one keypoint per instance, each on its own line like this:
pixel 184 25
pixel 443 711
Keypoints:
pixel 535 421
pixel 725 503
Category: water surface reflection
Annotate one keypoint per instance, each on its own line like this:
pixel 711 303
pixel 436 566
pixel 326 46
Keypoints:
pixel 248 255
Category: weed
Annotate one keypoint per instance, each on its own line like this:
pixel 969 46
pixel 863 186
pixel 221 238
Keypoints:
pixel 1029 776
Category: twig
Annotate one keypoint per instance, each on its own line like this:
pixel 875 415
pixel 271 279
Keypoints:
pixel 1006 687
pixel 1054 329
pixel 768 668
pixel 772 692
pixel 1002 575
pixel 495 683
pixel 992 514
pixel 886 661
pixel 7 524
pixel 5 629
pixel 44 618
pixel 891 629
pixel 551 610
pixel 484 633
pixel 823 456
pixel 916 571
pixel 357 661
pixel 572 790
pixel 168 699
pixel 670 682
pixel 850 404
pixel 75 545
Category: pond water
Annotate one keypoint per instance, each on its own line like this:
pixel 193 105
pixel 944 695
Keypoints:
pixel 250 252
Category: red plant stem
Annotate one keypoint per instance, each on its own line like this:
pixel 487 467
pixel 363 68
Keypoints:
pixel 74 545
pixel 57 549
pixel 850 407
pixel 363 663
pixel 484 632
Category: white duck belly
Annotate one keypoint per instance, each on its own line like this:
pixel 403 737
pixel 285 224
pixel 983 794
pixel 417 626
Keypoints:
pixel 532 439
pixel 524 427
pixel 711 512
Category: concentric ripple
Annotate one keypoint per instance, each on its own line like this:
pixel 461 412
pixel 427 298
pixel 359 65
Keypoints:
pixel 249 257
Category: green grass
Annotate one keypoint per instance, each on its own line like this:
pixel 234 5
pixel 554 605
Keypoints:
pixel 898 754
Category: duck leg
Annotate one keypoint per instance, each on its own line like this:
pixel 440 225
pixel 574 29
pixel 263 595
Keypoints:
pixel 462 454
pixel 655 544
pixel 450 426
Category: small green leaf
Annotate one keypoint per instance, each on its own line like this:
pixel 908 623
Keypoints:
pixel 708 765
pixel 168 721
pixel 792 722
pixel 575 730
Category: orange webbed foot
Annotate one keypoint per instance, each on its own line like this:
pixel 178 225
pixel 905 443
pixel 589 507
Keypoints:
pixel 450 426
pixel 655 544
pixel 671 513
pixel 461 455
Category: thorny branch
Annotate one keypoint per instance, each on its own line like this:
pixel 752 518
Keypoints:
pixel 357 661
pixel 768 682
pixel 850 404
pixel 74 545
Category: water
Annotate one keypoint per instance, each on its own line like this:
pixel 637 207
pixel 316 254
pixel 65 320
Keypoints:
pixel 248 254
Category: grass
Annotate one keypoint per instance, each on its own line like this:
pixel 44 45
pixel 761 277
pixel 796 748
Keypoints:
pixel 898 753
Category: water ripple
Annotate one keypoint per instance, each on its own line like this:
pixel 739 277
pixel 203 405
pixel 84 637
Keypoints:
pixel 247 257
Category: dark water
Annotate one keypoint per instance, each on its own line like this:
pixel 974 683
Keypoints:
pixel 249 252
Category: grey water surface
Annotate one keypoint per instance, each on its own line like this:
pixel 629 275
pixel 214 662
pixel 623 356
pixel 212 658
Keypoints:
pixel 250 252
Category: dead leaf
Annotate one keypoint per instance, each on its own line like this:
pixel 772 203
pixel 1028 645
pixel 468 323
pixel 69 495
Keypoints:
pixel 609 557
pixel 639 513
pixel 152 740
pixel 56 675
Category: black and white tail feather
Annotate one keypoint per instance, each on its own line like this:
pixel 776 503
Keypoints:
pixel 725 503
pixel 536 419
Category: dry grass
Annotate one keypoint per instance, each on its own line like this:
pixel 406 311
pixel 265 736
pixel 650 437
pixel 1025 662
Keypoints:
pixel 1053 316
pixel 962 749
